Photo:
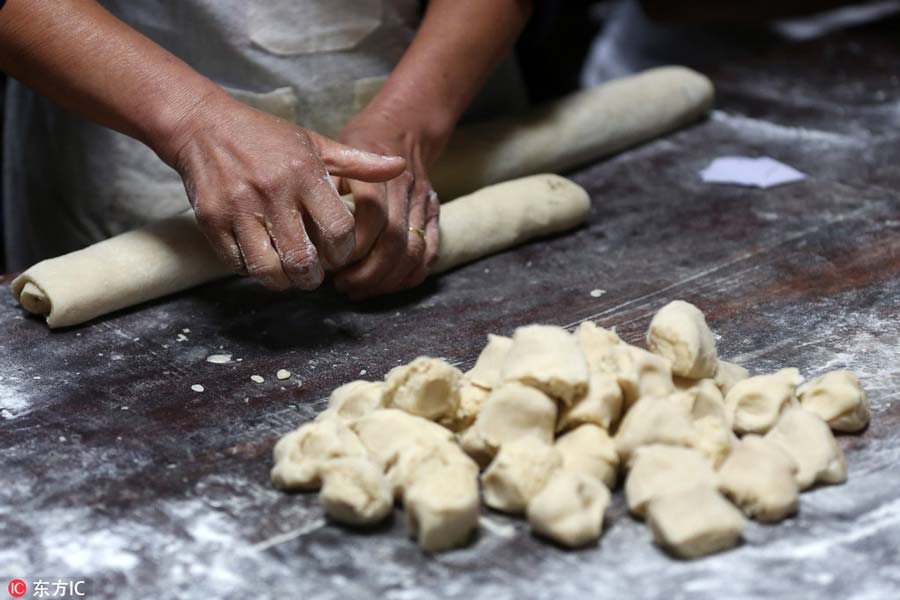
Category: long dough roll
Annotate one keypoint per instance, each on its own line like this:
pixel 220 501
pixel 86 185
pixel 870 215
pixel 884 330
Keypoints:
pixel 574 130
pixel 172 255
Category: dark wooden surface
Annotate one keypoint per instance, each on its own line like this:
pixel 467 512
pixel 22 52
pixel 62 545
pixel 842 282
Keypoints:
pixel 114 470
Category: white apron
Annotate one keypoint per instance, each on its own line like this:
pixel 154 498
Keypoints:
pixel 68 183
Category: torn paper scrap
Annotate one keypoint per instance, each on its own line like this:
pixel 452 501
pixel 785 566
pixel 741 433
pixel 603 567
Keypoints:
pixel 761 172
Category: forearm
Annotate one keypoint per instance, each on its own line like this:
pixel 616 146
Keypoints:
pixel 84 59
pixel 458 45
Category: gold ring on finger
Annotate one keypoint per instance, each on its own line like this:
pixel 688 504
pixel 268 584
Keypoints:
pixel 418 232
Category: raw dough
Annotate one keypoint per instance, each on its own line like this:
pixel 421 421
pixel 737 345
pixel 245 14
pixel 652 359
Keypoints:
pixel 355 491
pixel 713 438
pixel 511 411
pixel 386 432
pixel 755 404
pixel 427 387
pixel 570 508
pixel 547 358
pixel 300 454
pixel 486 372
pixel 589 450
pixel 471 400
pixel 601 405
pixel 679 333
pixel 442 506
pixel 728 374
pixel 653 420
pixel 354 400
pixel 519 471
pixel 695 522
pixel 839 399
pixel 595 342
pixel 659 470
pixel 701 398
pixel 809 441
pixel 641 373
pixel 760 478
pixel 422 456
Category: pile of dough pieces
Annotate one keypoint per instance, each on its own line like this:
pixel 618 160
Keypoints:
pixel 548 422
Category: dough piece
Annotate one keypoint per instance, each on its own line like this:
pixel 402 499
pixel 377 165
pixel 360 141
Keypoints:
pixel 658 471
pixel 512 411
pixel 386 432
pixel 588 449
pixel 595 342
pixel 713 438
pixel 422 457
pixel 809 441
pixel 602 405
pixel 172 255
pixel 471 400
pixel 839 399
pixel 442 506
pixel 653 420
pixel 695 522
pixel 570 509
pixel 728 374
pixel 679 333
pixel 486 372
pixel 355 491
pixel 641 374
pixel 300 454
pixel 547 358
pixel 701 398
pixel 755 404
pixel 354 400
pixel 427 387
pixel 574 130
pixel 519 471
pixel 760 478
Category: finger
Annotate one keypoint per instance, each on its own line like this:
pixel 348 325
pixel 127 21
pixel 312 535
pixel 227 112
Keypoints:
pixel 259 255
pixel 370 215
pixel 432 245
pixel 345 161
pixel 414 256
pixel 218 232
pixel 298 256
pixel 389 248
pixel 329 222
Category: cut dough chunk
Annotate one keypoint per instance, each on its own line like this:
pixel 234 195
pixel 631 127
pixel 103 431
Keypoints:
pixel 487 370
pixel 442 506
pixel 588 449
pixel 602 405
pixel 653 420
pixel 728 374
pixel 839 399
pixel 663 470
pixel 679 333
pixel 354 400
pixel 702 398
pixel 422 457
pixel 695 522
pixel 426 387
pixel 511 411
pixel 570 508
pixel 760 478
pixel 547 358
pixel 471 400
pixel 595 342
pixel 809 441
pixel 641 374
pixel 386 432
pixel 300 454
pixel 714 439
pixel 755 404
pixel 519 471
pixel 355 491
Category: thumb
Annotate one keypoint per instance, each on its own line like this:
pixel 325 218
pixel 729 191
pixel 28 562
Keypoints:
pixel 344 161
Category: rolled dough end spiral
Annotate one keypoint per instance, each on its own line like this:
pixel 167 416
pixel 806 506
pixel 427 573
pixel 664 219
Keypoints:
pixel 31 297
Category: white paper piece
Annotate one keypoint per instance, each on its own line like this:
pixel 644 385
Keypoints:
pixel 762 172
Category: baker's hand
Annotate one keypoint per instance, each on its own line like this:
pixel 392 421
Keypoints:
pixel 396 222
pixel 263 192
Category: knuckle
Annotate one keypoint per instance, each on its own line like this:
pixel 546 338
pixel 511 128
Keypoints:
pixel 300 261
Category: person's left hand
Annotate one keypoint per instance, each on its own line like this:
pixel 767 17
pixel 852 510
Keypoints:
pixel 396 222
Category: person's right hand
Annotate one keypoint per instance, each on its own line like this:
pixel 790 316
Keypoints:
pixel 263 194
